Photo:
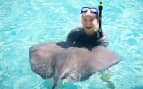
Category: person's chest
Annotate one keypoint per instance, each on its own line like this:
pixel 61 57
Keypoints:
pixel 84 39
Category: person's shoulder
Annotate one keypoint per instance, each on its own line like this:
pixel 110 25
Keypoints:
pixel 75 33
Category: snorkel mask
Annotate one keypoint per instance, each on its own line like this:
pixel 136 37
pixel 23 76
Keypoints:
pixel 90 10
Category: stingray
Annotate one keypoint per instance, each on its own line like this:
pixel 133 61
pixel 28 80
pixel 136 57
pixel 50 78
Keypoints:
pixel 59 61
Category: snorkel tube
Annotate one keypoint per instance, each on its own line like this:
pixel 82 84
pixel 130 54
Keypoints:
pixel 100 7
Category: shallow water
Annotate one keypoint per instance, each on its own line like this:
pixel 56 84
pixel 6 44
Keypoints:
pixel 27 22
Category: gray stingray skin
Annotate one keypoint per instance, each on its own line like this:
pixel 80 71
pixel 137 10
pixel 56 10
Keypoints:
pixel 51 60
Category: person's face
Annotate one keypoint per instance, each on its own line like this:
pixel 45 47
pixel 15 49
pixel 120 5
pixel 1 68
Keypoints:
pixel 89 21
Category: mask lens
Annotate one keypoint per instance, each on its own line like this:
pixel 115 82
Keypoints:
pixel 84 9
pixel 93 10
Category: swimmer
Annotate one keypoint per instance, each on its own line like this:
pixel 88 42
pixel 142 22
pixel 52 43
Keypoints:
pixel 89 35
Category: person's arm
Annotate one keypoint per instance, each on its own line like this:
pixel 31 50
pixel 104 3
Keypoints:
pixel 72 37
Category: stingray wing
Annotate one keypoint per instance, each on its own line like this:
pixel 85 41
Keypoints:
pixel 103 58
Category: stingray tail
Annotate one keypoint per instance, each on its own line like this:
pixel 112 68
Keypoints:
pixel 55 82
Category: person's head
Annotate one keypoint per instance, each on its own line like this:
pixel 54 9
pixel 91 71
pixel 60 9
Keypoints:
pixel 89 19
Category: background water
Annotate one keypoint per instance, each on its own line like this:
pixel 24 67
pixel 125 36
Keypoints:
pixel 27 22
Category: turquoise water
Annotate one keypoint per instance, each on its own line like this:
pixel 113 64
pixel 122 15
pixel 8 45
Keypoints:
pixel 27 22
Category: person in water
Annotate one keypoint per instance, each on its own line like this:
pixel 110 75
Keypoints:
pixel 89 35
